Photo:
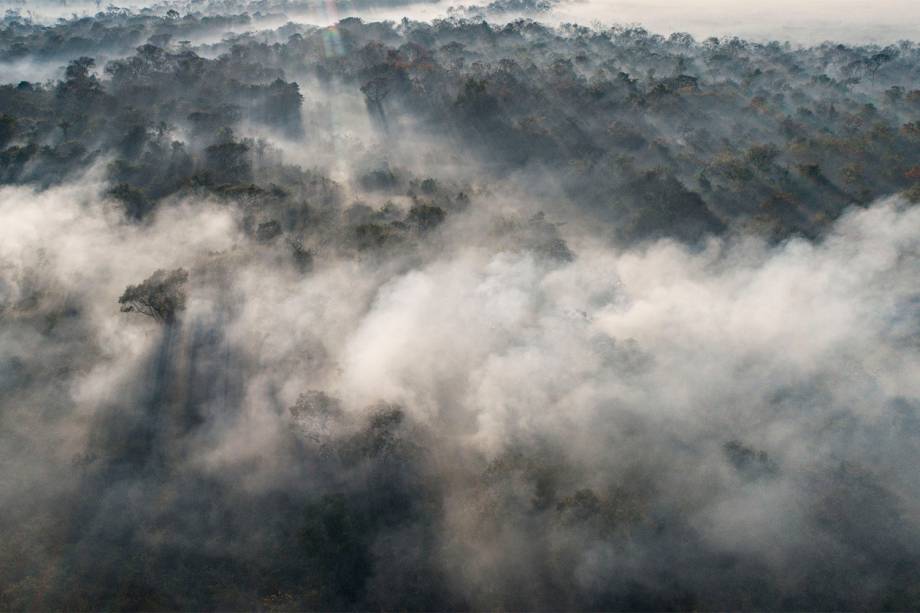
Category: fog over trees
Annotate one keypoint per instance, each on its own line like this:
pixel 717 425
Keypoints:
pixel 378 304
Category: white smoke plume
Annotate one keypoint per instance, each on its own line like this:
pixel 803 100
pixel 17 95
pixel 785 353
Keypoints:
pixel 666 414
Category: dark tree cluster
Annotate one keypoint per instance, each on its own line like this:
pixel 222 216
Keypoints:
pixel 637 129
pixel 160 296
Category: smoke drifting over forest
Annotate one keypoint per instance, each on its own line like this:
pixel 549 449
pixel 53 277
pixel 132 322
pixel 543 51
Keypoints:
pixel 311 306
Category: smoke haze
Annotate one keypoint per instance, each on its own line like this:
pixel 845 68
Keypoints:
pixel 809 22
pixel 347 314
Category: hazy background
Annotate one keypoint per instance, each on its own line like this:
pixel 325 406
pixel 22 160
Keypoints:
pixel 798 21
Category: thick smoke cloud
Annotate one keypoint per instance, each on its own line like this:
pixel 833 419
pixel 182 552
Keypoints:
pixel 725 426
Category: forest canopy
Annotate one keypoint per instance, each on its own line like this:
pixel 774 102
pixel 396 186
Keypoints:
pixel 371 304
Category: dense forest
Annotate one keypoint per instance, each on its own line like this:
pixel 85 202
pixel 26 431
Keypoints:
pixel 470 312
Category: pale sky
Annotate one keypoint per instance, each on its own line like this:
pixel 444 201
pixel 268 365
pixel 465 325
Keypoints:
pixel 803 21
pixel 798 21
